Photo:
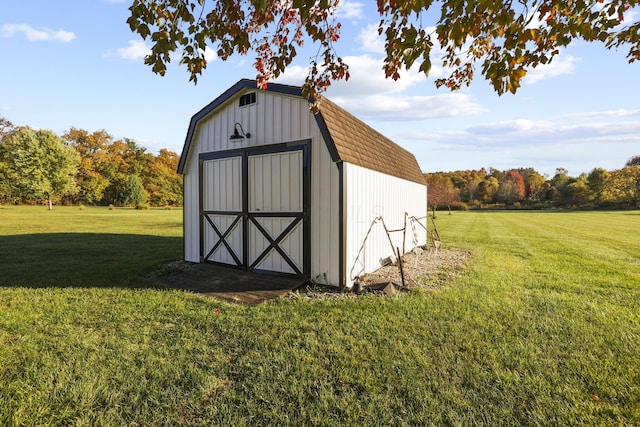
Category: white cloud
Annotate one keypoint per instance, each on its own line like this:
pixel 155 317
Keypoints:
pixel 367 77
pixel 611 113
pixel 557 67
pixel 136 50
pixel 210 55
pixel 370 40
pixel 45 34
pixel 630 16
pixel 369 95
pixel 535 20
pixel 511 127
pixel 406 108
pixel 350 10
pixel 544 144
pixel 524 132
pixel 293 75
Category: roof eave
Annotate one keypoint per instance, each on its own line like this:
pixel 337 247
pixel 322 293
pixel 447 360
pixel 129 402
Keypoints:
pixel 328 139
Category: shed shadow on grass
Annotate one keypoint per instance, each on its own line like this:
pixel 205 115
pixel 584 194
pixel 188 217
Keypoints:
pixel 83 259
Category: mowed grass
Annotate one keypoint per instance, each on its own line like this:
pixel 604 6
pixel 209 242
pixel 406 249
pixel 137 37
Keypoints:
pixel 542 328
pixel 95 247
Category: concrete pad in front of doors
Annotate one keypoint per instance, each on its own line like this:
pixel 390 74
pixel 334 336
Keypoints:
pixel 230 284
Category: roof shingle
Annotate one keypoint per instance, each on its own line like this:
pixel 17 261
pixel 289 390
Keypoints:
pixel 360 144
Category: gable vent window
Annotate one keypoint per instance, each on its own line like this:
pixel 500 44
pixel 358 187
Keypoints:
pixel 248 99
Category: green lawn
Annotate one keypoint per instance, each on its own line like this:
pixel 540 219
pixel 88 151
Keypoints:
pixel 543 328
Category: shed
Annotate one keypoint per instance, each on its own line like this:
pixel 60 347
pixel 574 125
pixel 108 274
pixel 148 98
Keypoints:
pixel 271 187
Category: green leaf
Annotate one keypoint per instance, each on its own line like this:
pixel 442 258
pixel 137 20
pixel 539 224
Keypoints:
pixel 144 31
pixel 425 67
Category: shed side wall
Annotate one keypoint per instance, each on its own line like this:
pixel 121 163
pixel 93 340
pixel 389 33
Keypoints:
pixel 273 119
pixel 368 195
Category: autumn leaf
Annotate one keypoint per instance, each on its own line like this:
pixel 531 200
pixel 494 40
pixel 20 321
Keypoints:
pixel 505 38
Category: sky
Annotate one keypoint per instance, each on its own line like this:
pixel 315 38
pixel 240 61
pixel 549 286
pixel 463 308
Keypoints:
pixel 75 63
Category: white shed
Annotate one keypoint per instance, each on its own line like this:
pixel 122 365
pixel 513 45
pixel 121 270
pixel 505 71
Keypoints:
pixel 271 187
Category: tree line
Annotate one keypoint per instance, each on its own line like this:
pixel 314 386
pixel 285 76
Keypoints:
pixel 526 188
pixel 82 167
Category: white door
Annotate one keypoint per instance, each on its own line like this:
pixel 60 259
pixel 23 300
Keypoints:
pixel 222 216
pixel 254 209
pixel 276 211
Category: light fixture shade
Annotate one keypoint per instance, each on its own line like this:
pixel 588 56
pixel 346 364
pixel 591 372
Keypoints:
pixel 236 135
pixel 239 134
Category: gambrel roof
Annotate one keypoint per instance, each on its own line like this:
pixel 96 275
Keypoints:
pixel 348 139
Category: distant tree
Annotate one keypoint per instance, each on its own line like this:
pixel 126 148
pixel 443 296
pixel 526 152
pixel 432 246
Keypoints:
pixel 40 165
pixel 133 192
pixel 6 128
pixel 91 147
pixel 536 185
pixel 577 193
pixel 497 173
pixel 634 161
pixel 471 179
pixel 512 188
pixel 164 184
pixel 124 158
pixel 623 187
pixel 558 185
pixel 487 189
pixel 525 172
pixel 596 181
pixel 518 179
pixel 472 188
pixel 440 192
pixel 107 165
pixel 138 160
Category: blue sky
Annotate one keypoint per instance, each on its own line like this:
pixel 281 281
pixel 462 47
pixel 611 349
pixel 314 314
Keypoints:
pixel 75 63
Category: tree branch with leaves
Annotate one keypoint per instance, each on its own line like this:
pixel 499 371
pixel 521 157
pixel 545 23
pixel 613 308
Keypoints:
pixel 501 39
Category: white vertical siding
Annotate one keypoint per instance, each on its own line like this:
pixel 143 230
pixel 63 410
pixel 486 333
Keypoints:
pixel 368 195
pixel 275 182
pixel 223 184
pixel 191 216
pixel 275 118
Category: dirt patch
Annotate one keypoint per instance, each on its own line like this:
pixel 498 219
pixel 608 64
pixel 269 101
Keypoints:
pixel 225 283
pixel 425 268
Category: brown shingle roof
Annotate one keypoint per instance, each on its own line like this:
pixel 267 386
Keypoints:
pixel 359 144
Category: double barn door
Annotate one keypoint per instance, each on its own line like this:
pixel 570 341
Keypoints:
pixel 254 209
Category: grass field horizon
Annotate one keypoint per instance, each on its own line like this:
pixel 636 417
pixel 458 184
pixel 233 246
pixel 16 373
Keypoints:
pixel 541 328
